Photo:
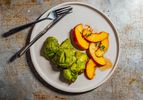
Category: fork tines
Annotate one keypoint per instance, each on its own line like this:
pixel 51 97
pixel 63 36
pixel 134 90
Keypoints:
pixel 63 8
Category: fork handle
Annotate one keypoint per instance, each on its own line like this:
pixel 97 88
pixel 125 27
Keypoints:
pixel 22 27
pixel 24 49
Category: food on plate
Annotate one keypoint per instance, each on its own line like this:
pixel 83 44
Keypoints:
pixel 71 61
pixel 86 32
pixel 95 37
pixel 79 65
pixel 87 27
pixel 66 44
pixel 92 50
pixel 50 47
pixel 90 69
pixel 103 48
pixel 81 57
pixel 76 68
pixel 64 58
pixel 77 37
pixel 69 75
pixel 105 43
pixel 96 45
pixel 65 55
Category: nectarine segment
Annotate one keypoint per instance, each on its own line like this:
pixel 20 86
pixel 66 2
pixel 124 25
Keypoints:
pixel 90 69
pixel 96 37
pixel 93 47
pixel 87 27
pixel 78 39
pixel 105 43
pixel 79 27
pixel 99 53
pixel 92 50
pixel 86 33
pixel 103 48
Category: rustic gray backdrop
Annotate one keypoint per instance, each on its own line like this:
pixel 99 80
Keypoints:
pixel 18 81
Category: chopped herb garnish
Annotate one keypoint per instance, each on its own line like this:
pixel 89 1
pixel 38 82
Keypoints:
pixel 102 47
pixel 87 35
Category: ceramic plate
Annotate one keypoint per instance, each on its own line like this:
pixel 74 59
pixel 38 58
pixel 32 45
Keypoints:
pixel 82 13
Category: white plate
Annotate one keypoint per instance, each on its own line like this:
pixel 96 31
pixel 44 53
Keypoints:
pixel 82 13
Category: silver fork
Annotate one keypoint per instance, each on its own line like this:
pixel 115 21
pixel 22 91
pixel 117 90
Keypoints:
pixel 51 16
pixel 24 49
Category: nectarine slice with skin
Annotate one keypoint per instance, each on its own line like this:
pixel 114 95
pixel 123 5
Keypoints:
pixel 99 53
pixel 103 48
pixel 86 33
pixel 78 39
pixel 93 46
pixel 92 50
pixel 96 37
pixel 107 66
pixel 90 69
pixel 105 43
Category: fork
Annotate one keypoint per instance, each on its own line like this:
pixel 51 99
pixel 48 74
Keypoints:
pixel 50 25
pixel 51 16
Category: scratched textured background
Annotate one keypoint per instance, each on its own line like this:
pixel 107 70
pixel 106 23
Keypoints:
pixel 17 80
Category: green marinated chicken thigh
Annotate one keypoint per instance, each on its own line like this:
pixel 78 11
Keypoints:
pixel 79 65
pixel 50 47
pixel 69 75
pixel 64 58
pixel 66 44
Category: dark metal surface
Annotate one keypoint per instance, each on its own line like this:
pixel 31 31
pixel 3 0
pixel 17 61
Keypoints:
pixel 19 81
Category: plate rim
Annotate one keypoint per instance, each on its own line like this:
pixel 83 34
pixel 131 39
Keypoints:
pixel 117 41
